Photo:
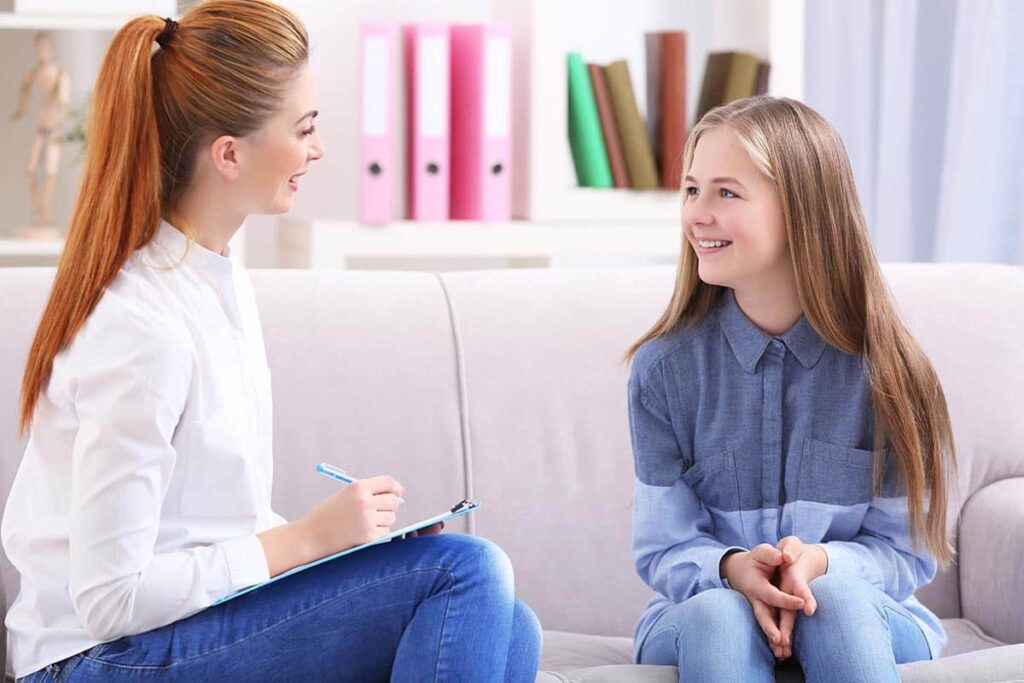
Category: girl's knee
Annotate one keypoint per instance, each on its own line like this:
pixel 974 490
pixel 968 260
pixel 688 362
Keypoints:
pixel 711 608
pixel 839 588
pixel 841 599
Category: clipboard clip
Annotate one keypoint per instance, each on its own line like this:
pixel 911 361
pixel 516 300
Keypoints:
pixel 467 504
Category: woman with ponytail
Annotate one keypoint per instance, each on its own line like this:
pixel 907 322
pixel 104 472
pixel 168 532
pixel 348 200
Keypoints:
pixel 791 440
pixel 143 496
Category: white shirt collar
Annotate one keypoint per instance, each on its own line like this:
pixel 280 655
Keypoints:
pixel 177 246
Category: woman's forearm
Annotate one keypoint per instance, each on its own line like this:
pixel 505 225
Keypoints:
pixel 286 547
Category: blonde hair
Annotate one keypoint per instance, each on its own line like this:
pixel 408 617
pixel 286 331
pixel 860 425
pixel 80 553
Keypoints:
pixel 224 70
pixel 842 293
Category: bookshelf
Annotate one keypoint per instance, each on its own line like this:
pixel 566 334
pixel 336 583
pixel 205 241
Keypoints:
pixel 553 218
pixel 339 244
pixel 549 210
pixel 544 187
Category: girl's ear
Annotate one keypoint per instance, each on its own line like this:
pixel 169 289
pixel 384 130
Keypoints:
pixel 225 157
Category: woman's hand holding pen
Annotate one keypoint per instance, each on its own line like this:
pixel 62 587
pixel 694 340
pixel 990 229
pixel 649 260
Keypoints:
pixel 801 564
pixel 360 512
pixel 751 572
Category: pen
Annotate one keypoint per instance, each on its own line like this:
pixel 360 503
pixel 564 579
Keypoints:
pixel 334 473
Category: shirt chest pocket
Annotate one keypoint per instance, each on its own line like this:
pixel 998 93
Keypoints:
pixel 834 475
pixel 715 481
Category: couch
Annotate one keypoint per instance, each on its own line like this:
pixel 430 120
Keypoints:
pixel 508 387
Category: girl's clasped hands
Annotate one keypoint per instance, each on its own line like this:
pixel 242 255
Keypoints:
pixel 776 582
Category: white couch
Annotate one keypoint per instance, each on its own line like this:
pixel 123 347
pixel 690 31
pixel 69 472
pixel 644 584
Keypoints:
pixel 508 387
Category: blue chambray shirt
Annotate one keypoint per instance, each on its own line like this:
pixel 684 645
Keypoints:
pixel 741 438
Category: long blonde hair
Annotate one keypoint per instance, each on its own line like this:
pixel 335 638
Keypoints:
pixel 224 71
pixel 842 293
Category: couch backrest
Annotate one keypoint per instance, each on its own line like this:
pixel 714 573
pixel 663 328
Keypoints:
pixel 548 432
pixel 508 386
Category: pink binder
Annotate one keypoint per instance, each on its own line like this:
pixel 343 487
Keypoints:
pixel 427 73
pixel 481 83
pixel 377 136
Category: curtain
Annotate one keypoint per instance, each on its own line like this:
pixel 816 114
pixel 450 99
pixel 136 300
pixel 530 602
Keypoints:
pixel 928 96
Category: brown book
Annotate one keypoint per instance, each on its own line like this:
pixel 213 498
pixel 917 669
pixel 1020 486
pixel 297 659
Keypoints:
pixel 728 76
pixel 763 69
pixel 673 107
pixel 716 74
pixel 643 174
pixel 610 132
pixel 742 77
pixel 652 49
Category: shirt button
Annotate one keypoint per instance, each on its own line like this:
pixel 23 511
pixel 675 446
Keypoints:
pixel 776 344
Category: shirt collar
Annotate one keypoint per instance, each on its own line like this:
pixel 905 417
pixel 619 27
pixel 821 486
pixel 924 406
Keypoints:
pixel 176 244
pixel 748 341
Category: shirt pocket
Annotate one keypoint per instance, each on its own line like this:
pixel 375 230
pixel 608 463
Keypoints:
pixel 833 491
pixel 714 481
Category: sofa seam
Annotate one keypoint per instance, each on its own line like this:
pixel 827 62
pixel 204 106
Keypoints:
pixel 463 399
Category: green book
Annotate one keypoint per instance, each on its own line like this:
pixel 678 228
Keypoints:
pixel 585 138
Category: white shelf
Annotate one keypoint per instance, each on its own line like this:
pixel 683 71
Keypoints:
pixel 64 22
pixel 30 248
pixel 329 244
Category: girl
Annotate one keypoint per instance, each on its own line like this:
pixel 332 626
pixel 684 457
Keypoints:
pixel 144 492
pixel 791 441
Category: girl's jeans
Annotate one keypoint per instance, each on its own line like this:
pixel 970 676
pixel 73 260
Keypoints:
pixel 858 633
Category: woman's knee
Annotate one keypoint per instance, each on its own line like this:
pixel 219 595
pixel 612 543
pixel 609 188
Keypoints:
pixel 526 628
pixel 474 558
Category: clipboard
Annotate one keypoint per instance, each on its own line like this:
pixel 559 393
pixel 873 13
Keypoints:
pixel 462 508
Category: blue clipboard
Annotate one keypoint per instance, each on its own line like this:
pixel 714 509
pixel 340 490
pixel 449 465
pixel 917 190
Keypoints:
pixel 465 507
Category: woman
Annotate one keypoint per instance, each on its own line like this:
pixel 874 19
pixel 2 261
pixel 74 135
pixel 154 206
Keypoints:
pixel 144 493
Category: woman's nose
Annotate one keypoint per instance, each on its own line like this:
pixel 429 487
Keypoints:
pixel 317 151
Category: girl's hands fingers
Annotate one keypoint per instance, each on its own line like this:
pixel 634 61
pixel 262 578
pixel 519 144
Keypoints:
pixel 766 554
pixel 791 548
pixel 765 616
pixel 803 591
pixel 786 621
pixel 771 595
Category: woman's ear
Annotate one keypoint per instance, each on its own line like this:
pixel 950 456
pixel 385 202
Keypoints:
pixel 224 155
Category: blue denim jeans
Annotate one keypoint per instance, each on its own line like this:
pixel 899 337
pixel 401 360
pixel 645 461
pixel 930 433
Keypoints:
pixel 430 608
pixel 858 633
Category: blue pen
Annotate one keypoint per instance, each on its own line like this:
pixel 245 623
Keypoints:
pixel 334 473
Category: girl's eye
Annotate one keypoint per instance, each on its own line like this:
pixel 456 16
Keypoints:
pixel 687 191
pixel 309 131
pixel 733 194
pixel 693 193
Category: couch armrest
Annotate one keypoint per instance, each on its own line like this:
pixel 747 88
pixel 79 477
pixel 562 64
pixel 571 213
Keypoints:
pixel 991 559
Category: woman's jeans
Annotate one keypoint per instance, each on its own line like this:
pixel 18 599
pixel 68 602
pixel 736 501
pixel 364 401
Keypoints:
pixel 429 608
pixel 858 633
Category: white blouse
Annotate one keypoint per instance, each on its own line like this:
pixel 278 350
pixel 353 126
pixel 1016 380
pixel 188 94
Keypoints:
pixel 148 470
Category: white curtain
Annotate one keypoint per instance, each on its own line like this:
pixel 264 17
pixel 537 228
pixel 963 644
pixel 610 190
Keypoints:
pixel 928 96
